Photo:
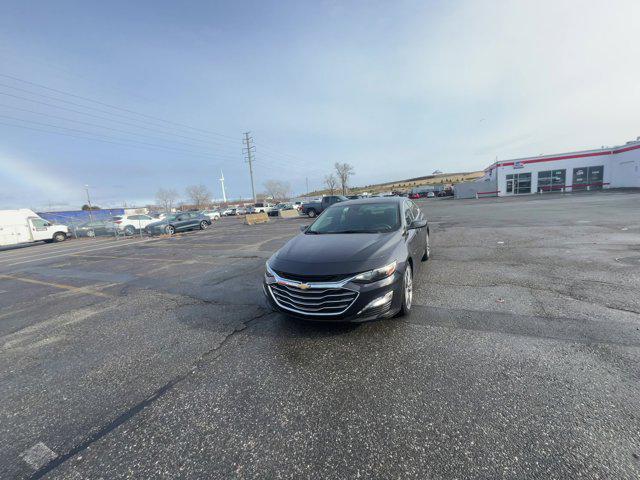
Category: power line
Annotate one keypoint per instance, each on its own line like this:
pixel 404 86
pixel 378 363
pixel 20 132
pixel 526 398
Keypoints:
pixel 88 108
pixel 100 126
pixel 115 106
pixel 100 138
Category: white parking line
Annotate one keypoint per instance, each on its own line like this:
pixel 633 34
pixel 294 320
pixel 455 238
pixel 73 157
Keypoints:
pixel 29 252
pixel 70 253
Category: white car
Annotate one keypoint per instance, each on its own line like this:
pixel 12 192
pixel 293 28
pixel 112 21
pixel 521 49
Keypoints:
pixel 260 208
pixel 227 212
pixel 212 214
pixel 130 224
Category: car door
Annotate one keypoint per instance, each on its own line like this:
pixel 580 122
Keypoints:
pixel 182 221
pixel 39 230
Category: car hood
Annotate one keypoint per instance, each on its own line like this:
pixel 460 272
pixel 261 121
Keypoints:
pixel 331 254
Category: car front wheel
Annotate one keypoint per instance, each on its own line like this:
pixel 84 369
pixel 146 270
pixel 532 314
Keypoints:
pixel 311 213
pixel 407 291
pixel 203 225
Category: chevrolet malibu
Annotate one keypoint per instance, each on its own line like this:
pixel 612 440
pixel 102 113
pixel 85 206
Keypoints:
pixel 356 262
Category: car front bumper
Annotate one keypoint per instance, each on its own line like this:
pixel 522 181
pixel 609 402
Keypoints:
pixel 381 299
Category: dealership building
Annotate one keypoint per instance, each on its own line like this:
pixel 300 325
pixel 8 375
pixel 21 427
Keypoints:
pixel 611 167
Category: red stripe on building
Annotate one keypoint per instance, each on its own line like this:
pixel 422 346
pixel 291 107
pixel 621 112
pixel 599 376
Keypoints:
pixel 565 157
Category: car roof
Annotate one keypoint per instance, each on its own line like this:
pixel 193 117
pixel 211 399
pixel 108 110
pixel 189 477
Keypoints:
pixel 360 201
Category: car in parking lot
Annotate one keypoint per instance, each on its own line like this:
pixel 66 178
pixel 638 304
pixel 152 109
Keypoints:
pixel 279 207
pixel 260 207
pixel 316 208
pixel 212 214
pixel 130 224
pixel 93 229
pixel 179 222
pixel 356 262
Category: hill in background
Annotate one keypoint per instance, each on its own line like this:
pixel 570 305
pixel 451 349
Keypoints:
pixel 410 183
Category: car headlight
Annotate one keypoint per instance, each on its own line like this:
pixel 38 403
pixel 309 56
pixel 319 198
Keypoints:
pixel 376 274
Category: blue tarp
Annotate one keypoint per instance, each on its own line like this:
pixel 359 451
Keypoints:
pixel 76 217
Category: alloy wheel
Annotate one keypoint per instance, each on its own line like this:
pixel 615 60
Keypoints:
pixel 408 287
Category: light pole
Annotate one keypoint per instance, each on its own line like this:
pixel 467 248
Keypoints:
pixel 86 188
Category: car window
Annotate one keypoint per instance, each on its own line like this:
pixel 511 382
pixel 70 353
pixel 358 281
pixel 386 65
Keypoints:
pixel 363 218
pixel 408 213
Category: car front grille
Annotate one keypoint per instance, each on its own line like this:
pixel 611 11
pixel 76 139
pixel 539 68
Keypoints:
pixel 314 301
pixel 313 278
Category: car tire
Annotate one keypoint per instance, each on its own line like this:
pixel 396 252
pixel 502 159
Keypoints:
pixel 91 233
pixel 59 237
pixel 407 292
pixel 129 230
pixel 427 249
pixel 311 213
pixel 170 229
pixel 204 225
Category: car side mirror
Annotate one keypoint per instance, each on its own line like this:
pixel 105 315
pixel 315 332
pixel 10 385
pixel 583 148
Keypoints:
pixel 303 228
pixel 418 224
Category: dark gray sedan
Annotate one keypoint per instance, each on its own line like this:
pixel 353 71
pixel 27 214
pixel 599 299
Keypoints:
pixel 179 222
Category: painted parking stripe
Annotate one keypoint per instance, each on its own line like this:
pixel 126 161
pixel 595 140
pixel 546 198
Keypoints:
pixel 49 249
pixel 68 254
pixel 62 286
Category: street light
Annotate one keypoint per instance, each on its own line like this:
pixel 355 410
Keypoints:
pixel 86 188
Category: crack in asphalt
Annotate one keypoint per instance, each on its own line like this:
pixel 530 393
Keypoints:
pixel 150 400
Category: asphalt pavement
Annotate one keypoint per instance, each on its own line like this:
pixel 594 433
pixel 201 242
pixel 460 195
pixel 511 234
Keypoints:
pixel 158 358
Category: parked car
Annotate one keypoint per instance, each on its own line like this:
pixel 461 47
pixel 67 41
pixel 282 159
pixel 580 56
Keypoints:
pixel 316 208
pixel 179 222
pixel 278 208
pixel 297 205
pixel 25 226
pixel 431 194
pixel 212 214
pixel 228 212
pixel 130 224
pixel 414 196
pixel 260 207
pixel 356 262
pixel 241 211
pixel 353 197
pixel 93 229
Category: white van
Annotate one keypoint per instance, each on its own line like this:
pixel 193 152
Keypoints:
pixel 24 226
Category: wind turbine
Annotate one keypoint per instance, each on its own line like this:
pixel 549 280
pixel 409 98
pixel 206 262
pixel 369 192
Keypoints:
pixel 224 193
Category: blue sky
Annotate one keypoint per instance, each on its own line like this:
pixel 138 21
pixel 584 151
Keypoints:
pixel 397 89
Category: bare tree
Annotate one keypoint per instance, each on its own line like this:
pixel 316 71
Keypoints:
pixel 199 195
pixel 277 189
pixel 331 182
pixel 344 171
pixel 166 197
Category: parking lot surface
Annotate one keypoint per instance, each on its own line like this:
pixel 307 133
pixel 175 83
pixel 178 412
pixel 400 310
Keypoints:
pixel 158 358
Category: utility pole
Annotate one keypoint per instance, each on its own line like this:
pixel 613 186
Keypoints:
pixel 86 187
pixel 249 151
pixel 224 193
pixel 307 180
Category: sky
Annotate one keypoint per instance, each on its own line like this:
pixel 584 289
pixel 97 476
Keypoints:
pixel 129 97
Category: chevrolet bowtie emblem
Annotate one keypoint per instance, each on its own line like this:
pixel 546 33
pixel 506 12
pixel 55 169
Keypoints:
pixel 304 286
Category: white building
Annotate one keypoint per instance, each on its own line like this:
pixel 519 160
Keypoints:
pixel 611 167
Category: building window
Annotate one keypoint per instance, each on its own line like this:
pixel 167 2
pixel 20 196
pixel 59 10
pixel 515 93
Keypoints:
pixel 551 180
pixel 588 178
pixel 519 183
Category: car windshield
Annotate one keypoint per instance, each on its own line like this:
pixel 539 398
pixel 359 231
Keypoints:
pixel 358 218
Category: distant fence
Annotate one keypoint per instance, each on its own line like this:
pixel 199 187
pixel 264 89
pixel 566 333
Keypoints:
pixel 76 217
